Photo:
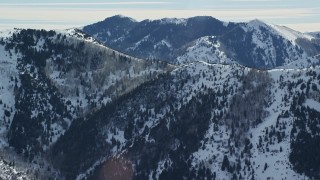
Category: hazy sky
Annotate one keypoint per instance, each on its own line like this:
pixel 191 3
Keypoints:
pixel 302 15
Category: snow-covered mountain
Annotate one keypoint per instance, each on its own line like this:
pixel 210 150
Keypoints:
pixel 203 121
pixel 163 39
pixel 72 108
pixel 314 34
pixel 51 78
pixel 254 44
pixel 206 49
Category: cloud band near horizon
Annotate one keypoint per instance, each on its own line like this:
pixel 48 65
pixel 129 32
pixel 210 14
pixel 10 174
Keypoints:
pixel 61 15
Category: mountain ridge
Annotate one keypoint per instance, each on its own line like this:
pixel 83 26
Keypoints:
pixel 73 108
pixel 154 41
pixel 57 77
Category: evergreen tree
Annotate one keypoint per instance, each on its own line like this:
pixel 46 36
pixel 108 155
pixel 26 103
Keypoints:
pixel 225 163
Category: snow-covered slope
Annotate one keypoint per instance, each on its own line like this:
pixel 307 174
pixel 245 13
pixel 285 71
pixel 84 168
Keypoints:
pixel 206 49
pixel 51 78
pixel 176 21
pixel 314 34
pixel 259 45
pixel 271 45
pixel 207 120
pixel 105 75
pixel 73 108
pixel 9 79
pixel 303 63
pixel 290 34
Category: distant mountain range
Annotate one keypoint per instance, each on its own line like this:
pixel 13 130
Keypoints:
pixel 315 34
pixel 253 44
pixel 203 99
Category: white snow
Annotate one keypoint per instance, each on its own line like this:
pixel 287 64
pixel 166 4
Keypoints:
pixel 302 63
pixel 214 151
pixel 217 77
pixel 109 33
pixel 176 21
pixel 225 23
pixel 79 35
pixel 161 167
pixel 287 33
pixel 8 73
pixel 137 44
pixel 214 148
pixel 163 42
pixel 290 34
pixel 264 41
pixel 278 162
pixel 6 33
pixel 205 49
pixel 313 34
pixel 131 19
pixel 311 103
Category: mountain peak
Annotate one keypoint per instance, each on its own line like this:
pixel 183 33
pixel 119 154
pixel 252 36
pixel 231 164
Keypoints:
pixel 257 23
pixel 173 21
pixel 202 17
pixel 182 21
pixel 120 16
